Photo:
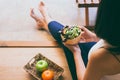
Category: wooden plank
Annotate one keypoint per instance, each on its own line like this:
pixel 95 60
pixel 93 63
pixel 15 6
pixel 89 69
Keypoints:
pixel 87 16
pixel 12 61
pixel 88 3
pixel 28 44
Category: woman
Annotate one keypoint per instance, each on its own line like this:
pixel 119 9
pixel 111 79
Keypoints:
pixel 104 57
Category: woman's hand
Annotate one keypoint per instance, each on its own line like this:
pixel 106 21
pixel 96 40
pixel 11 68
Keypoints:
pixel 88 36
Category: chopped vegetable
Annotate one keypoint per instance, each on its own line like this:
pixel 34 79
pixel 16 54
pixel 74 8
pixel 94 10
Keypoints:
pixel 71 33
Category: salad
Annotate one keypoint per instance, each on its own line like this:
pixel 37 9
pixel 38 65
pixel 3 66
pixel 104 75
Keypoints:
pixel 71 32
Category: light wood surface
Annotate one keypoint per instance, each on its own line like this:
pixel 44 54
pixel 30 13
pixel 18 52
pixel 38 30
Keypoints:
pixel 17 25
pixel 28 44
pixel 12 61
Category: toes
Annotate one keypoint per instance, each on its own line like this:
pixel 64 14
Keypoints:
pixel 41 5
pixel 33 15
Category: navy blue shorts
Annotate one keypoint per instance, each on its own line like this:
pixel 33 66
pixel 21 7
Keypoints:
pixel 54 28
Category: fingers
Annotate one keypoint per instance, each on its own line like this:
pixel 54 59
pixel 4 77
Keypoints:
pixel 82 40
pixel 32 14
pixel 83 28
pixel 82 34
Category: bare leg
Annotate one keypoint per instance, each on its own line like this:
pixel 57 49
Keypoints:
pixel 43 11
pixel 42 22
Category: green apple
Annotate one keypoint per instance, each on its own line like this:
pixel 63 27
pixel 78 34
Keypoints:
pixel 41 65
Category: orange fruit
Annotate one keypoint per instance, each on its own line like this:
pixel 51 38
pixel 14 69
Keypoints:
pixel 48 75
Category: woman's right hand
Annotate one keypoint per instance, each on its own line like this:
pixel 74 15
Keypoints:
pixel 87 35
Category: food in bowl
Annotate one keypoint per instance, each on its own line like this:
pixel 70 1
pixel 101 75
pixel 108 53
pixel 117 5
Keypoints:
pixel 71 35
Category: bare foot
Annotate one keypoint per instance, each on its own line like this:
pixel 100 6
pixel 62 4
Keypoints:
pixel 41 24
pixel 43 11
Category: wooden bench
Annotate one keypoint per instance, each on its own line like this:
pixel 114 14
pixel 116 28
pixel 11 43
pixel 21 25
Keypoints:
pixel 87 4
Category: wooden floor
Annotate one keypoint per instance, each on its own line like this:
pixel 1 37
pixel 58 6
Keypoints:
pixel 12 61
pixel 19 29
pixel 17 25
